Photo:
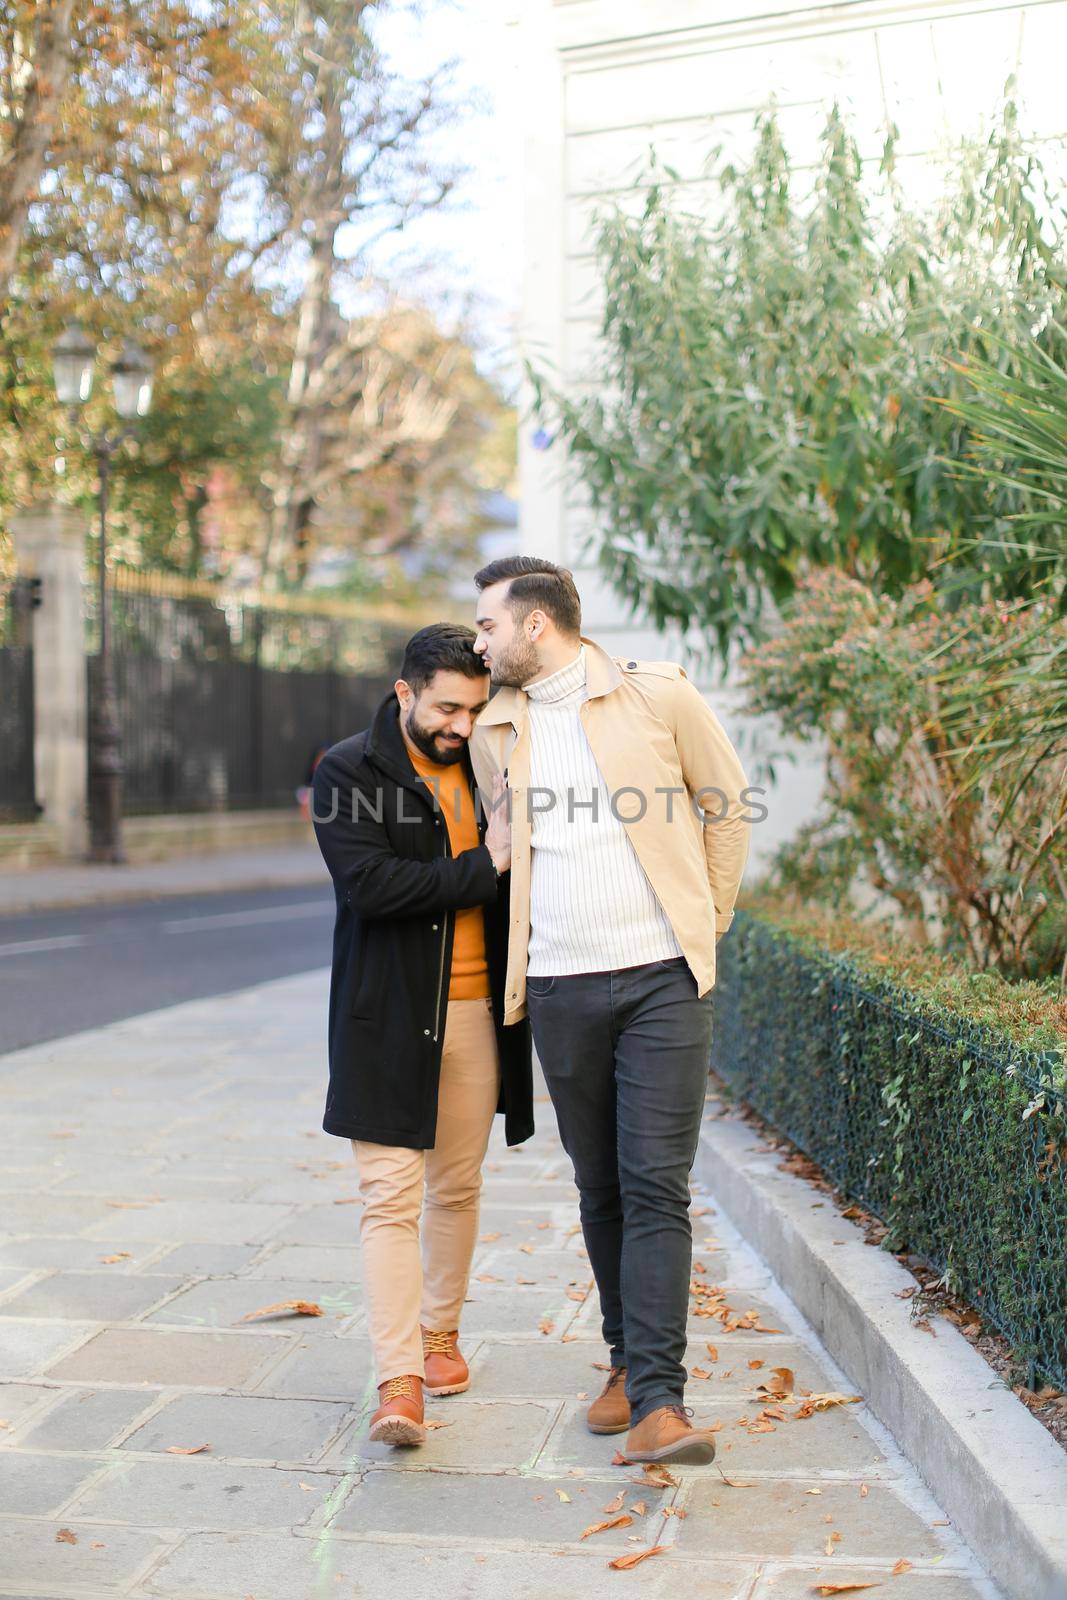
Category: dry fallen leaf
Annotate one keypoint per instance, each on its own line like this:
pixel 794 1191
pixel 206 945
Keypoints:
pixel 780 1384
pixel 299 1308
pixel 731 1483
pixel 528 1249
pixel 841 1588
pixel 829 1545
pixel 624 1563
pixel 699 1372
pixel 129 1205
pixel 65 1536
pixel 713 1354
pixel 901 1566
pixel 546 1325
pixel 488 1238
pixel 487 1277
pixel 864 1491
pixel 120 1255
pixel 612 1522
pixel 349 1200
pixel 754 1364
pixel 186 1449
pixel 823 1402
pixel 564 1496
pixel 616 1504
pixel 432 1425
pixel 657 1476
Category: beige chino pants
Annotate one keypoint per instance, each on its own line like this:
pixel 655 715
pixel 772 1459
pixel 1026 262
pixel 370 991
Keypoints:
pixel 403 1286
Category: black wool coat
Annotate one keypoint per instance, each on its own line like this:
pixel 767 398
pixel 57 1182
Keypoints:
pixel 398 887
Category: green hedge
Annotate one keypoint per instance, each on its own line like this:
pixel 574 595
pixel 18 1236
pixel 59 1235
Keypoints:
pixel 947 1127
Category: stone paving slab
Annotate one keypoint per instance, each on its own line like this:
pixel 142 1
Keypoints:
pixel 88 1419
pixel 274 1569
pixel 331 1263
pixel 551 1511
pixel 323 1369
pixel 799 1583
pixel 140 1355
pixel 103 1560
pixel 91 1296
pixel 33 1485
pixel 223 1302
pixel 196 1491
pixel 107 1367
pixel 245 1427
pixel 74 1253
pixel 483 1435
pixel 26 1347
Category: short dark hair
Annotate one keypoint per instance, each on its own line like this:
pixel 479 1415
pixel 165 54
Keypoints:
pixel 536 585
pixel 440 647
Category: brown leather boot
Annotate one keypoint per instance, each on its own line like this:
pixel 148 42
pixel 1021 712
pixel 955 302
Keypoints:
pixel 446 1370
pixel 666 1434
pixel 399 1418
pixel 610 1411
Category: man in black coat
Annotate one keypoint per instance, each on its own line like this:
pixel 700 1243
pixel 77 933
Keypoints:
pixel 420 1059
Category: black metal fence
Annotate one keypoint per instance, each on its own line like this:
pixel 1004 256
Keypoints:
pixel 950 1133
pixel 17 800
pixel 223 703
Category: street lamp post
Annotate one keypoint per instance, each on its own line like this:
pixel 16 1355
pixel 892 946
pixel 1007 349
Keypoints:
pixel 131 380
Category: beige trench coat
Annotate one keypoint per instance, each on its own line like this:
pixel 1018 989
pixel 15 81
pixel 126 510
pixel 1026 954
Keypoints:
pixel 662 753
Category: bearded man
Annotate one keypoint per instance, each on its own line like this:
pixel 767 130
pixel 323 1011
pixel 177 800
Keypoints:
pixel 420 1060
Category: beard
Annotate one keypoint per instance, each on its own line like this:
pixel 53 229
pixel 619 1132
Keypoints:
pixel 424 740
pixel 516 664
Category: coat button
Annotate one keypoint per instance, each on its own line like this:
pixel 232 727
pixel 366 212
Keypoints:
pixel 434 928
pixel 631 665
pixel 426 1032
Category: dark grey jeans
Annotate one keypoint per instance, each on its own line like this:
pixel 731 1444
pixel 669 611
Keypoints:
pixel 625 1055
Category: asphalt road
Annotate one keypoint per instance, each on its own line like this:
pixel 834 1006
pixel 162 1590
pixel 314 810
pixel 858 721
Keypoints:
pixel 62 971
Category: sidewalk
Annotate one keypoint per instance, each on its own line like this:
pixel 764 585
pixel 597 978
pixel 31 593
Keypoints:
pixel 167 1175
pixel 47 888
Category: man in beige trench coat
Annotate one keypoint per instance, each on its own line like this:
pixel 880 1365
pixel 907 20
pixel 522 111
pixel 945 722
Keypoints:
pixel 630 821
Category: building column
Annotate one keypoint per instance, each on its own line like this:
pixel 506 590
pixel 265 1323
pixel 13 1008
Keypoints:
pixel 49 541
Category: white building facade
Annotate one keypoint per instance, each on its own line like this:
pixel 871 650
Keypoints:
pixel 603 80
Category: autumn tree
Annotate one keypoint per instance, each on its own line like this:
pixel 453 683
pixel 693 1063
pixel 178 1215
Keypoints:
pixel 214 177
pixel 35 60
pixel 350 166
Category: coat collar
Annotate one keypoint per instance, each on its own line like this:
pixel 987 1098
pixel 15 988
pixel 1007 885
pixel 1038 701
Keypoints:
pixel 601 677
pixel 386 748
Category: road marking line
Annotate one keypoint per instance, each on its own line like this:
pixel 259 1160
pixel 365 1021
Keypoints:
pixel 62 941
pixel 239 919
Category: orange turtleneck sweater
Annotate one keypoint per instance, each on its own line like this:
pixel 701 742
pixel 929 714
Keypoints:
pixel 469 978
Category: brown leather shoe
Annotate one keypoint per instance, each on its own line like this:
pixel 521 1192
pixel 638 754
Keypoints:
pixel 399 1418
pixel 666 1434
pixel 610 1411
pixel 446 1370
